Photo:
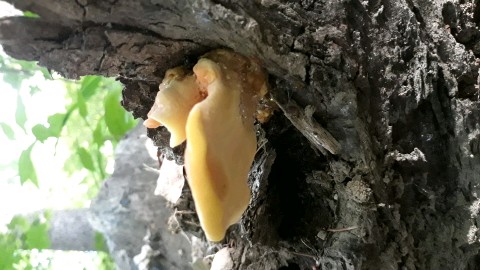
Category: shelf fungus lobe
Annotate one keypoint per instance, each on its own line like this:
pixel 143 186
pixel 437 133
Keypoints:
pixel 177 95
pixel 221 141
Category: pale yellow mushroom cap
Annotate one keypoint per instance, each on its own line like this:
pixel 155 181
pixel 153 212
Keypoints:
pixel 221 141
pixel 220 151
pixel 177 95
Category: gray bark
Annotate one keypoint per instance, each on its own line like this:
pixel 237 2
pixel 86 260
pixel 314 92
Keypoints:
pixel 131 217
pixel 394 82
pixel 70 230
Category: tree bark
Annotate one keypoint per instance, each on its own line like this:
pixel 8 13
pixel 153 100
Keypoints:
pixel 135 222
pixel 70 230
pixel 394 82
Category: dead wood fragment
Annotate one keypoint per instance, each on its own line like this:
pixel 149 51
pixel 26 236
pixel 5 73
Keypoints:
pixel 311 129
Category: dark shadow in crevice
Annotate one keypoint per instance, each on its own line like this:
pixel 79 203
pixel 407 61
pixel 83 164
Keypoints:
pixel 290 266
pixel 295 207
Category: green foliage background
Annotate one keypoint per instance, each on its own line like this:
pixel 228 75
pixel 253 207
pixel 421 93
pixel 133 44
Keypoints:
pixel 91 124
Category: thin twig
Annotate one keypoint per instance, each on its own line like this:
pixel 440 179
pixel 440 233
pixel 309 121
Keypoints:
pixel 304 255
pixel 342 229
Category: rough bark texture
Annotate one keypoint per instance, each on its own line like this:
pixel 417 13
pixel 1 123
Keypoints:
pixel 70 230
pixel 394 82
pixel 132 219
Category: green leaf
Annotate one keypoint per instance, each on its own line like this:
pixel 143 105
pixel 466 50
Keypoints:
pixel 100 243
pixel 26 170
pixel 72 165
pixel 20 115
pixel 117 119
pixel 18 223
pixel 101 247
pixel 7 253
pixel 29 66
pixel 8 131
pixel 101 161
pixel 47 214
pixel 41 132
pixel 37 236
pixel 57 122
pixel 86 159
pixel 14 79
pixel 82 106
pixel 30 14
pixel 89 85
pixel 34 89
pixel 46 74
pixel 98 136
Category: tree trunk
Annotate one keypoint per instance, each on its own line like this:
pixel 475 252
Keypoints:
pixel 70 230
pixel 394 82
pixel 132 219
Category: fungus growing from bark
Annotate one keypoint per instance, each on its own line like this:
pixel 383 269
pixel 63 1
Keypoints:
pixel 177 95
pixel 214 110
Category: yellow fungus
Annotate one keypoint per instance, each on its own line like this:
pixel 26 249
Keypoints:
pixel 221 141
pixel 178 93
